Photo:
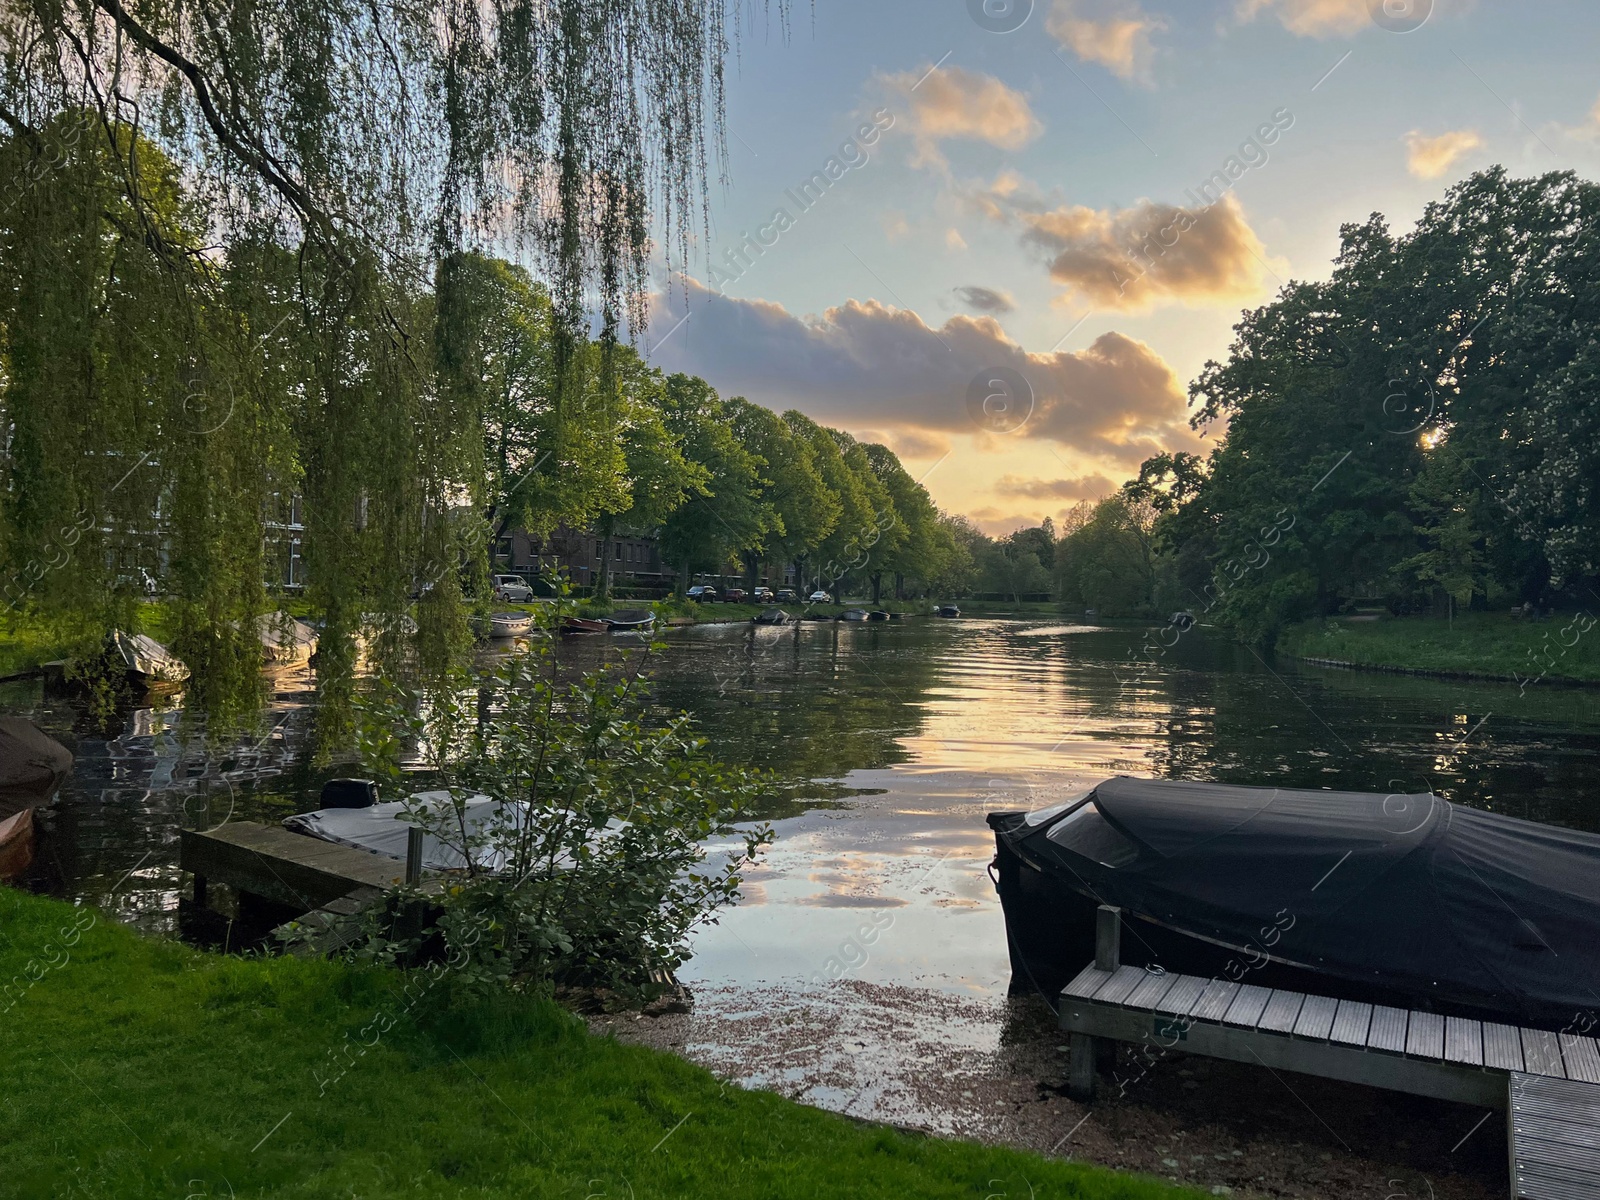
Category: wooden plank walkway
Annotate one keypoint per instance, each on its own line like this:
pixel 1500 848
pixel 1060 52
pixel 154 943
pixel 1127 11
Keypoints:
pixel 1555 1138
pixel 1450 1057
pixel 290 868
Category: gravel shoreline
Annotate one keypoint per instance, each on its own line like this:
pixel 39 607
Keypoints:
pixel 994 1071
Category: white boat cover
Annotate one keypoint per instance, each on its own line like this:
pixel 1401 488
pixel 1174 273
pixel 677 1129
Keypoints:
pixel 147 658
pixel 382 829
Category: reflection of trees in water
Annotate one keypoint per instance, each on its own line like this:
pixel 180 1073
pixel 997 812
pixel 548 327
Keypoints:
pixel 146 774
pixel 1480 744
pixel 809 701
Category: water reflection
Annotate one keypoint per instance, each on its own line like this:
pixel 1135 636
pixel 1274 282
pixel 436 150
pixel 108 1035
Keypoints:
pixel 892 741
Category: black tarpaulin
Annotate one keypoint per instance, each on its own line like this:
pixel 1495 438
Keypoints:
pixel 1407 892
pixel 32 765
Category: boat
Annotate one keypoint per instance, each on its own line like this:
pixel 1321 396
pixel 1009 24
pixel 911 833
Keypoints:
pixel 582 625
pixel 285 641
pixel 503 625
pixel 147 663
pixel 878 614
pixel 894 616
pixel 853 614
pixel 633 621
pixel 947 610
pixel 33 767
pixel 1406 900
pixel 353 815
pixel 771 616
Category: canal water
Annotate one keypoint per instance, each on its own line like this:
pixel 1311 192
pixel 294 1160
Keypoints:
pixel 869 942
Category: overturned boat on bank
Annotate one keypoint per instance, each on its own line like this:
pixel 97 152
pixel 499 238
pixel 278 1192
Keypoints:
pixel 1399 899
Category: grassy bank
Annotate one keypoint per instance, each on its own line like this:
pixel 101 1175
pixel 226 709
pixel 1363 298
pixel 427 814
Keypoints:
pixel 139 1068
pixel 1491 645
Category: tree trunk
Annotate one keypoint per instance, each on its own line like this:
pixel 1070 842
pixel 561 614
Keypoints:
pixel 752 568
pixel 800 577
pixel 602 589
pixel 899 586
pixel 877 587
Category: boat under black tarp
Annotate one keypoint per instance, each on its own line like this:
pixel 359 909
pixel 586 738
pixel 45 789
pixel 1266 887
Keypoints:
pixel 1401 899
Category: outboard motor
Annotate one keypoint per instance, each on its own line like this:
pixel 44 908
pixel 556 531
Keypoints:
pixel 348 793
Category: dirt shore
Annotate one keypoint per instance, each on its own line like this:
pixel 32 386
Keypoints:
pixel 995 1071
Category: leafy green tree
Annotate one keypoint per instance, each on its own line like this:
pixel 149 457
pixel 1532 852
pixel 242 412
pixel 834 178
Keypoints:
pixel 711 530
pixel 801 511
pixel 856 516
pixel 1108 563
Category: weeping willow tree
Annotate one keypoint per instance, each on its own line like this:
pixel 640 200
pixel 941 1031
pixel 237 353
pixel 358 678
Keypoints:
pixel 240 261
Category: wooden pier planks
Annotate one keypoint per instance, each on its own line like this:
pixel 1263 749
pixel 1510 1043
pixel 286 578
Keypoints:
pixel 1555 1138
pixel 289 868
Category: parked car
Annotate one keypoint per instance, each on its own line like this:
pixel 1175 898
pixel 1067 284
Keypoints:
pixel 762 595
pixel 734 595
pixel 786 594
pixel 819 597
pixel 512 588
pixel 702 591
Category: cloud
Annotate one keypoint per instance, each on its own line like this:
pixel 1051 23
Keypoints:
pixel 1134 258
pixel 1118 40
pixel 863 364
pixel 1089 487
pixel 998 523
pixel 908 443
pixel 984 299
pixel 1589 129
pixel 954 240
pixel 1431 157
pixel 953 103
pixel 895 226
pixel 1313 18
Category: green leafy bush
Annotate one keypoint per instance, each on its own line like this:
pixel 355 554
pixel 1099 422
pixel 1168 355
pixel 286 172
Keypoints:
pixel 580 827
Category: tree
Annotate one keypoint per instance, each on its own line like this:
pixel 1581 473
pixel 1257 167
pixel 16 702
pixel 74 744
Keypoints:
pixel 856 516
pixel 713 528
pixel 801 511
pixel 1108 563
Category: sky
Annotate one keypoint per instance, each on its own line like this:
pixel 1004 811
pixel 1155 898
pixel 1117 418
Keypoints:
pixel 1003 237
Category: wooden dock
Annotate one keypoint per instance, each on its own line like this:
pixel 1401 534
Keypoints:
pixel 1555 1139
pixel 1548 1082
pixel 289 868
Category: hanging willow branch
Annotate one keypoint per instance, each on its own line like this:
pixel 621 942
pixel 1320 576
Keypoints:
pixel 274 211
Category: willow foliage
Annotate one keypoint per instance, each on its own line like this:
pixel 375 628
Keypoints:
pixel 242 259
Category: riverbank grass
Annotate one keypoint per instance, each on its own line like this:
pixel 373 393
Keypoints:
pixel 1492 645
pixel 142 1068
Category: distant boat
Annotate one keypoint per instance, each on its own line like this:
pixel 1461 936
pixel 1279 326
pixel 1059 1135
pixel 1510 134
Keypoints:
pixel 581 625
pixel 149 664
pixel 33 766
pixel 504 625
pixel 894 616
pixel 878 614
pixel 771 616
pixel 633 621
pixel 285 641
pixel 947 610
pixel 853 614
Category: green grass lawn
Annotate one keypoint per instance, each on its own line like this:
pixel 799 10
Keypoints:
pixel 139 1067
pixel 1474 643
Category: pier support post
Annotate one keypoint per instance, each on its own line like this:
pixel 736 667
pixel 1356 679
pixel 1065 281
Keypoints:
pixel 413 856
pixel 1085 1053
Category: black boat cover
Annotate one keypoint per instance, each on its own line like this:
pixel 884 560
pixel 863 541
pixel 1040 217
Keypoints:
pixel 1406 892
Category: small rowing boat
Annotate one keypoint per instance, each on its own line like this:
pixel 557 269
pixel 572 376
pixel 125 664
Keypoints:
pixel 853 614
pixel 947 610
pixel 633 621
pixel 148 664
pixel 771 616
pixel 503 625
pixel 583 625
pixel 878 614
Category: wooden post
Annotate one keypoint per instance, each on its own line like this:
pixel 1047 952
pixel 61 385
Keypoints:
pixel 1107 938
pixel 413 856
pixel 1081 1052
pixel 1086 1053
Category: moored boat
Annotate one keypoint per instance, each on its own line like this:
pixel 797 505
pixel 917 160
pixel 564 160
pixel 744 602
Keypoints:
pixel 146 662
pixel 285 641
pixel 947 610
pixel 878 614
pixel 1406 900
pixel 503 625
pixel 771 616
pixel 853 614
pixel 582 625
pixel 632 621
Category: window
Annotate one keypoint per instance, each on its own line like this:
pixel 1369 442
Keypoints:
pixel 1045 815
pixel 1085 831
